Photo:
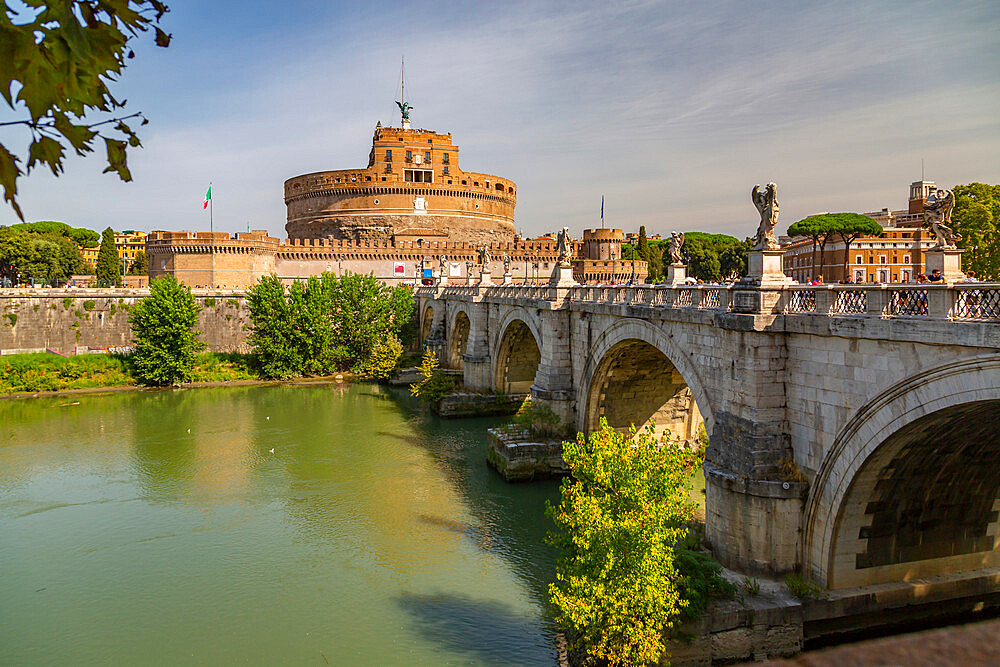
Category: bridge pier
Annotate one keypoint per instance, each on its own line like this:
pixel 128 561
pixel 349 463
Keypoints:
pixel 553 385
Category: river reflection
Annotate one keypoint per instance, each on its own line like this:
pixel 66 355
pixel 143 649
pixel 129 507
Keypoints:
pixel 161 527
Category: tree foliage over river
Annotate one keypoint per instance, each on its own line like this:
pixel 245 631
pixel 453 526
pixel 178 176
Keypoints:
pixel 326 323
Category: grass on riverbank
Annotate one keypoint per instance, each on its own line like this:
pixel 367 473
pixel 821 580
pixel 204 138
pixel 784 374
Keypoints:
pixel 29 373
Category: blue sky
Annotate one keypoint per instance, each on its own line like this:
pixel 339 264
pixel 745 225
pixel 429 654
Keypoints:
pixel 672 111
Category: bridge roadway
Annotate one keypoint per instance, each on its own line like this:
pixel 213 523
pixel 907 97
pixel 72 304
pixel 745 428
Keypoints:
pixel 852 429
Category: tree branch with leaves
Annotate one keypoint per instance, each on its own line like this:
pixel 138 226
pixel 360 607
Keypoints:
pixel 59 58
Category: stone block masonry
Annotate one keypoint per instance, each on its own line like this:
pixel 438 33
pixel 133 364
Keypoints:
pixel 33 320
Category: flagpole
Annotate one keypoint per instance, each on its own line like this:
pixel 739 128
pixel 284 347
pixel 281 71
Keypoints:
pixel 211 222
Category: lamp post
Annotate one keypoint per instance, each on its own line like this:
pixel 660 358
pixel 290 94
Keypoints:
pixel 613 280
pixel 632 279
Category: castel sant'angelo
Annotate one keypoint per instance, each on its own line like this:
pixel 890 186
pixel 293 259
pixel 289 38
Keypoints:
pixel 412 215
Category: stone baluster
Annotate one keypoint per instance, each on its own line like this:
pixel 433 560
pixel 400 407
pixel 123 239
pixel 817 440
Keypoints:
pixel 826 299
pixel 877 298
pixel 940 301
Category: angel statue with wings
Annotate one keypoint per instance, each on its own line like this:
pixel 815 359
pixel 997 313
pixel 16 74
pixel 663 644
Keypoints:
pixel 767 204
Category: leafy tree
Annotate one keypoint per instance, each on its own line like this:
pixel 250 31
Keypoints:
pixel 272 329
pixel 433 384
pixel 385 358
pixel 850 226
pixel 163 335
pixel 733 259
pixel 325 323
pixel 53 258
pixel 58 59
pixel 622 515
pixel 977 219
pixel 703 254
pixel 140 266
pixel 643 247
pixel 109 268
pixel 15 251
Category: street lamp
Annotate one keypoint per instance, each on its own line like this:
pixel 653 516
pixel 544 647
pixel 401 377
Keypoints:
pixel 632 279
pixel 613 281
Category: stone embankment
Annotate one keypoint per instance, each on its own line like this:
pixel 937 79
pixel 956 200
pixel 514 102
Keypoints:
pixel 471 404
pixel 519 456
pixel 68 320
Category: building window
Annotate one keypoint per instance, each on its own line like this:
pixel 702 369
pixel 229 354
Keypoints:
pixel 388 156
pixel 446 159
pixel 388 167
pixel 906 259
pixel 427 156
pixel 409 156
pixel 881 259
pixel 418 176
pixel 445 170
pixel 859 259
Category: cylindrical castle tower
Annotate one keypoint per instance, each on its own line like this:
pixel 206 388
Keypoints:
pixel 412 186
pixel 602 244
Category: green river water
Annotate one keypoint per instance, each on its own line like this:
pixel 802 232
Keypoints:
pixel 158 528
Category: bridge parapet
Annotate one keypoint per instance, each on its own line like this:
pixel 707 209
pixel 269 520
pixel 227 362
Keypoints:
pixel 965 301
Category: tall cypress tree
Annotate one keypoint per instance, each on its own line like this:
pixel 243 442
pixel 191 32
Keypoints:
pixel 643 250
pixel 109 268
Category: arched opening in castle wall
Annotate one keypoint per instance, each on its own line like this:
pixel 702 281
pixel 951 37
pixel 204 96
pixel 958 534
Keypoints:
pixel 459 341
pixel 635 383
pixel 518 356
pixel 925 502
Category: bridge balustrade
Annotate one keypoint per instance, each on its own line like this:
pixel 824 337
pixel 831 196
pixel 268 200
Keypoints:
pixel 963 301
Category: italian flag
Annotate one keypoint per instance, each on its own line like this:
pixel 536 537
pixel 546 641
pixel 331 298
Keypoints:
pixel 208 198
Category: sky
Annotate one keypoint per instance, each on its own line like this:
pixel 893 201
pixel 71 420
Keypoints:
pixel 670 110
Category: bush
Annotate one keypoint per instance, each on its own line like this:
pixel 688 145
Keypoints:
pixel 623 512
pixel 385 358
pixel 165 342
pixel 539 420
pixel 434 384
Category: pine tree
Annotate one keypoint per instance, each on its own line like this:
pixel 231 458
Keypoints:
pixel 140 266
pixel 109 269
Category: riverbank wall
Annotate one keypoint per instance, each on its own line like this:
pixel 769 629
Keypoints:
pixel 72 320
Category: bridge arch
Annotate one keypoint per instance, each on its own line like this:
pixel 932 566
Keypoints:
pixel 458 338
pixel 635 357
pixel 911 485
pixel 426 322
pixel 516 353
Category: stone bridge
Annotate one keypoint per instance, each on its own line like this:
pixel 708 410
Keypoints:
pixel 853 430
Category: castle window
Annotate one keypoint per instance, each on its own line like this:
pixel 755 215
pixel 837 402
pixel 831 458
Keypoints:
pixel 446 159
pixel 409 156
pixel 465 182
pixel 906 259
pixel 388 156
pixel 388 168
pixel 427 156
pixel 445 172
pixel 418 176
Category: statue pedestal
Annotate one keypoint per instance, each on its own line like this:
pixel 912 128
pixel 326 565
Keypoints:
pixel 442 280
pixel 764 268
pixel 676 274
pixel 948 261
pixel 508 279
pixel 485 278
pixel 469 279
pixel 562 276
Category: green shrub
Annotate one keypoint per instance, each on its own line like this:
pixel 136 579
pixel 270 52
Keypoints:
pixel 163 334
pixel 434 384
pixel 801 587
pixel 88 305
pixel 626 575
pixel 385 358
pixel 209 301
pixel 12 318
pixel 540 420
pixel 751 586
pixel 67 302
pixel 35 308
